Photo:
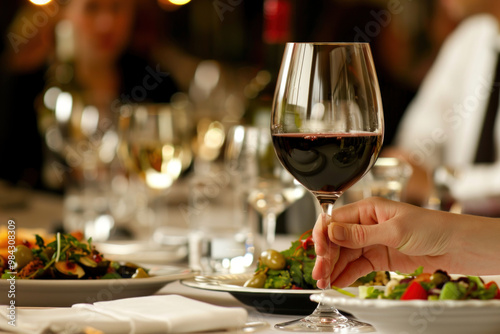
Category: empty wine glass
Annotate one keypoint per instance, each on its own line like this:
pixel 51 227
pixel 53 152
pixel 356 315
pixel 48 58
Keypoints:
pixel 272 189
pixel 266 185
pixel 84 139
pixel 327 128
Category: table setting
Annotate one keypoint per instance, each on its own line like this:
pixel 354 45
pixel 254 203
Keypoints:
pixel 151 314
pixel 198 239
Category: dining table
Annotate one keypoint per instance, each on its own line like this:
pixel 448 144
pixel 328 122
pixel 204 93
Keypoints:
pixel 39 211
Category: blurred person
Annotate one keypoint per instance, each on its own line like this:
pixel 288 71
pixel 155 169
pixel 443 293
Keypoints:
pixel 106 68
pixel 399 39
pixel 402 49
pixel 447 127
pixel 379 234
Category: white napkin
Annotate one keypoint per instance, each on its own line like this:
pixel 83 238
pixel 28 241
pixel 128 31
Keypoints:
pixel 141 315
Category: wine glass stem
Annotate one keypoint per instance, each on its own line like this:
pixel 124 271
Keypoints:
pixel 322 309
pixel 268 229
pixel 327 201
pixel 327 206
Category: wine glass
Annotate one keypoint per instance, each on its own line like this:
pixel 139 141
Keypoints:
pixel 327 128
pixel 388 178
pixel 269 188
pixel 83 137
pixel 154 145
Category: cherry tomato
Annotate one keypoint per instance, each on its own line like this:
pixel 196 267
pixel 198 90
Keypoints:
pixel 489 284
pixel 414 291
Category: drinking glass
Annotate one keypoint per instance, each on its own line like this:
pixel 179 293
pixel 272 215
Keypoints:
pixel 327 129
pixel 83 138
pixel 388 178
pixel 269 188
pixel 154 145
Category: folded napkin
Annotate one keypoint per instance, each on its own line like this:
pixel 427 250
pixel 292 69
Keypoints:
pixel 141 315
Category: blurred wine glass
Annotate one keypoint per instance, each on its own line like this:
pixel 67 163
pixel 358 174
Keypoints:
pixel 268 187
pixel 388 178
pixel 154 145
pixel 84 140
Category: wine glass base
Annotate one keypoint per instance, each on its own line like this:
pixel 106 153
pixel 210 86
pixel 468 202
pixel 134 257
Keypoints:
pixel 315 323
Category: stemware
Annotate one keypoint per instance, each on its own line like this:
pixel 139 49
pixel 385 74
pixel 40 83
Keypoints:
pixel 267 186
pixel 154 145
pixel 388 178
pixel 327 129
pixel 83 138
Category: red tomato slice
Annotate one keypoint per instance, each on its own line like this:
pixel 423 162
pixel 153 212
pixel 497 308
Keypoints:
pixel 487 286
pixel 414 291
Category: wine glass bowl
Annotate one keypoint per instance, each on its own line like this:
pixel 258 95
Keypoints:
pixel 327 129
pixel 327 121
pixel 154 143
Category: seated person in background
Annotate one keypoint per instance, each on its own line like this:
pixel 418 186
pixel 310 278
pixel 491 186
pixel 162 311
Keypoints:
pixel 447 124
pixel 106 69
pixel 379 234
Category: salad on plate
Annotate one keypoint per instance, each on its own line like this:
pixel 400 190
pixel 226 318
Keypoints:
pixel 66 257
pixel 292 268
pixel 288 269
pixel 436 286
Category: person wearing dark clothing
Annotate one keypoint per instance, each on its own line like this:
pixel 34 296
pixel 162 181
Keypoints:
pixel 104 67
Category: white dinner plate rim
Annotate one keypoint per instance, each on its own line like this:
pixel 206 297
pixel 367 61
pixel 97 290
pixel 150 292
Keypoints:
pixel 141 251
pixel 387 303
pixel 64 293
pixel 222 282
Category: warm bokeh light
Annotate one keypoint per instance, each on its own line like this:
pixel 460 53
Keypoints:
pixel 64 105
pixel 179 2
pixel 40 2
pixel 171 5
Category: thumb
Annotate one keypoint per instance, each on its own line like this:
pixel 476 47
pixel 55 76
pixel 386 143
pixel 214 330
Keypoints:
pixel 358 236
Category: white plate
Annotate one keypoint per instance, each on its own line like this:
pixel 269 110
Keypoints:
pixel 277 301
pixel 421 316
pixel 142 251
pixel 56 292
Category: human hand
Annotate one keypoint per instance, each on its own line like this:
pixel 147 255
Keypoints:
pixel 378 234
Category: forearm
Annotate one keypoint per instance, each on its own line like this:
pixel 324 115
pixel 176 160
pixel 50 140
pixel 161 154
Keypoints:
pixel 475 245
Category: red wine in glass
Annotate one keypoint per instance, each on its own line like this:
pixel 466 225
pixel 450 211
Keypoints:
pixel 327 162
